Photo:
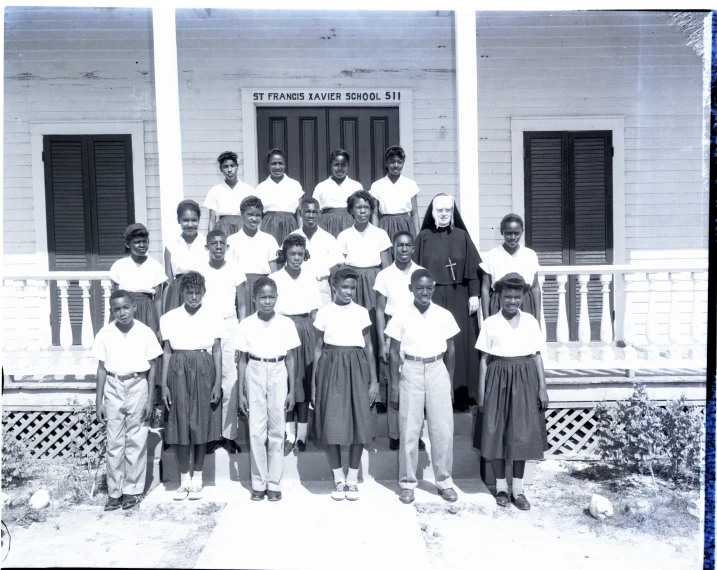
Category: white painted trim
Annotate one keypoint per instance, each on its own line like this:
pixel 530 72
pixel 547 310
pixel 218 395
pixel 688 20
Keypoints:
pixel 467 104
pixel 616 124
pixel 248 113
pixel 39 129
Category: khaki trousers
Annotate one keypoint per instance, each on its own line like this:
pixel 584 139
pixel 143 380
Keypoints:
pixel 324 291
pixel 267 387
pixel 230 401
pixel 124 401
pixel 425 385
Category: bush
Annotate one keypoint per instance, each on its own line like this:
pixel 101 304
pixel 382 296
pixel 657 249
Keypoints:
pixel 87 461
pixel 638 435
pixel 17 463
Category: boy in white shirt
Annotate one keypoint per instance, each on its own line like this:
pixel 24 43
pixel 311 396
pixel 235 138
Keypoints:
pixel 424 333
pixel 266 370
pixel 126 350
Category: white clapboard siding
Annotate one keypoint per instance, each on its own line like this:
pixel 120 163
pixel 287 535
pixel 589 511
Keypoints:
pixel 221 52
pixel 73 64
pixel 631 64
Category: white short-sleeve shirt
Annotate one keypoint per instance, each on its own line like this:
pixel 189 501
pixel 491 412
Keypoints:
pixel 343 325
pixel 296 296
pixel 498 262
pixel 324 251
pixel 393 284
pixel 126 353
pixel 394 198
pixel 363 249
pixel 188 257
pixel 283 196
pixel 253 254
pixel 141 278
pixel 498 338
pixel 191 332
pixel 332 195
pixel 224 200
pixel 423 334
pixel 266 339
pixel 221 287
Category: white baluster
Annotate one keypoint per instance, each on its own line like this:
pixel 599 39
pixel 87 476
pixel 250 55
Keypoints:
pixel 541 283
pixel 584 353
pixel 65 325
pixel 563 330
pixel 651 332
pixel 628 325
pixel 9 344
pixel 606 352
pixel 88 333
pixel 21 339
pixel 673 330
pixel 697 332
pixel 106 292
pixel 44 324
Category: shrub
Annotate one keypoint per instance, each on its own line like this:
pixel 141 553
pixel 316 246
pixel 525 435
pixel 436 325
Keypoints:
pixel 87 460
pixel 17 463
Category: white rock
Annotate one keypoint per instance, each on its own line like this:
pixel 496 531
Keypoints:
pixel 600 507
pixel 39 500
pixel 6 499
pixel 638 506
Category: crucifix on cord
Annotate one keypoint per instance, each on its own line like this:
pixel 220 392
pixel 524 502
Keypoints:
pixel 450 265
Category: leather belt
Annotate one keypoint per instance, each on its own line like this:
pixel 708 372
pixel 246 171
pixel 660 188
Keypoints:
pixel 127 376
pixel 424 360
pixel 277 359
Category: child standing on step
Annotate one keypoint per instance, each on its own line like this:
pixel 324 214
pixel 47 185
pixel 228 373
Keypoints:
pixel 266 371
pixel 126 350
pixel 223 199
pixel 299 299
pixel 424 332
pixel 192 381
pixel 333 192
pixel 344 385
pixel 512 395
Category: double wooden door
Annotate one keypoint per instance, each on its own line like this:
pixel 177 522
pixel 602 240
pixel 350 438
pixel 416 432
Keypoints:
pixel 308 135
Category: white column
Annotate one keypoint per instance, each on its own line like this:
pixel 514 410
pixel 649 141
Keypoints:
pixel 651 332
pixel 88 333
pixel 65 325
pixel 606 353
pixel 169 134
pixel 673 330
pixel 562 333
pixel 44 324
pixel 106 292
pixel 628 326
pixel 584 353
pixel 467 90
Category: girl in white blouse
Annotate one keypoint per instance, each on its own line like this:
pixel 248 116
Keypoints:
pixel 333 192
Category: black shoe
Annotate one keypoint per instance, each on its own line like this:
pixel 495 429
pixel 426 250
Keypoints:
pixel 212 446
pixel 129 501
pixel 502 499
pixel 421 445
pixel 448 495
pixel 231 446
pixel 393 444
pixel 257 495
pixel 273 495
pixel 380 408
pixel 300 445
pixel 288 446
pixel 113 503
pixel 521 502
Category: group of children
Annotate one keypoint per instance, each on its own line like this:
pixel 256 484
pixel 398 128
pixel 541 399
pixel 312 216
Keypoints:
pixel 271 331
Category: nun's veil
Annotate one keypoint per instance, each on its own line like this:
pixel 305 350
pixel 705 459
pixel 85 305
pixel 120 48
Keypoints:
pixel 429 221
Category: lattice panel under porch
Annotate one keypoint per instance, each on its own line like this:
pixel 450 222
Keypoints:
pixel 50 434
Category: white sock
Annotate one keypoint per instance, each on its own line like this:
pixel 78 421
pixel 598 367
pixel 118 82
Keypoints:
pixel 185 480
pixel 501 485
pixel 352 476
pixel 301 431
pixel 197 480
pixel 291 431
pixel 517 486
pixel 338 475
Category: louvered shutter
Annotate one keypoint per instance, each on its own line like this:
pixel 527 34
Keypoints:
pixel 89 202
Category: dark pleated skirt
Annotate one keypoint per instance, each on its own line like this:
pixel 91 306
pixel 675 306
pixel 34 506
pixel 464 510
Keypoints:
pixel 335 220
pixel 366 297
pixel 454 298
pixel 146 310
pixel 342 415
pixel 174 294
pixel 192 419
pixel 279 225
pixel 512 425
pixel 304 356
pixel 394 223
pixel 249 299
pixel 230 224
pixel 527 306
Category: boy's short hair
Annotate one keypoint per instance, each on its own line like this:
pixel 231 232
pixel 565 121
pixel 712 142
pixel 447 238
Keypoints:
pixel 339 152
pixel 310 200
pixel 395 150
pixel 188 205
pixel 193 280
pixel 402 233
pixel 214 233
pixel 511 281
pixel 342 274
pixel 251 202
pixel 119 294
pixel 421 273
pixel 227 155
pixel 360 195
pixel 274 151
pixel 263 281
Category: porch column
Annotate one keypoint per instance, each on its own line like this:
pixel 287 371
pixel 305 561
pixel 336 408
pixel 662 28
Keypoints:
pixel 467 91
pixel 168 128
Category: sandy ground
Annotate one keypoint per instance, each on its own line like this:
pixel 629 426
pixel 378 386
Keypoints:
pixel 558 533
